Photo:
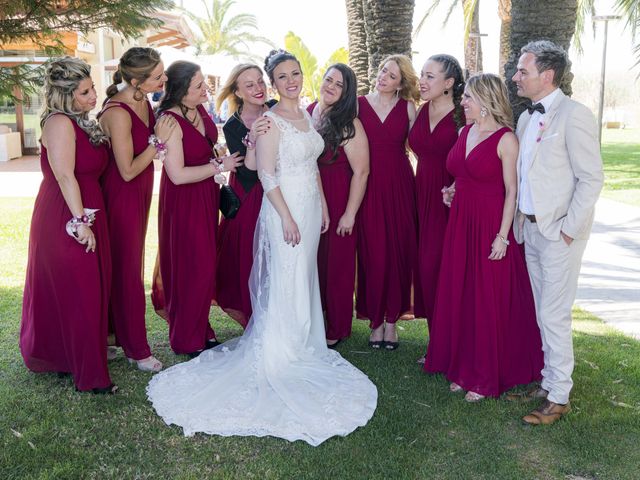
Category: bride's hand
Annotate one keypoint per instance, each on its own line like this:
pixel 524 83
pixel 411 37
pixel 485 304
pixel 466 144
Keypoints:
pixel 291 232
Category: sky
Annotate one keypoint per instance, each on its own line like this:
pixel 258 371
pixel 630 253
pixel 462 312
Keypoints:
pixel 322 25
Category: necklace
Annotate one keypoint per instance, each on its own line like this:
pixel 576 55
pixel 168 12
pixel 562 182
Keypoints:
pixel 185 110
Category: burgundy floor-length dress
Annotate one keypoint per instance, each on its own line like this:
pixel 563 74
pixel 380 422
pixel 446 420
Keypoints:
pixel 66 294
pixel 235 235
pixel 336 254
pixel 128 205
pixel 187 225
pixel 484 335
pixel 386 224
pixel 431 148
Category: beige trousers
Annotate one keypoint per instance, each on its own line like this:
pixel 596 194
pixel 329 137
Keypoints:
pixel 554 267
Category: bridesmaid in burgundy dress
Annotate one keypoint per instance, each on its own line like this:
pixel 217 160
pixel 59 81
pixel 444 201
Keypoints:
pixel 246 95
pixel 188 210
pixel 64 310
pixel 484 335
pixel 344 168
pixel 127 184
pixel 386 223
pixel 431 137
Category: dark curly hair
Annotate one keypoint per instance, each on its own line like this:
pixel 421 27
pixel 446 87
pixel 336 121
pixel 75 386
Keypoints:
pixel 275 58
pixel 336 124
pixel 451 69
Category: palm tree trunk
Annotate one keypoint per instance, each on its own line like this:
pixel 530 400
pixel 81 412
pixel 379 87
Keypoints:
pixel 388 24
pixel 504 11
pixel 473 47
pixel 358 53
pixel 531 20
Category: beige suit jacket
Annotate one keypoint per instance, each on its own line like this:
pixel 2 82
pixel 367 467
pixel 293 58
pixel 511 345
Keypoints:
pixel 566 175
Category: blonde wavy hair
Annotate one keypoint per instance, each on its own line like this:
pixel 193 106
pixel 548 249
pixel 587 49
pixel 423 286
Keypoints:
pixel 409 89
pixel 61 80
pixel 228 91
pixel 490 92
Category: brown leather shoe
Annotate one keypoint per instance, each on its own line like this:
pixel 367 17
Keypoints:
pixel 534 393
pixel 547 413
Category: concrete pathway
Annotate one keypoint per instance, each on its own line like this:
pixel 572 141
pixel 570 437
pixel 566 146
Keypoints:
pixel 609 284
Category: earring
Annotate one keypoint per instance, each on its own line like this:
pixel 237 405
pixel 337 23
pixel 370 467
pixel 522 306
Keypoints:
pixel 446 92
pixel 484 112
pixel 397 92
pixel 138 95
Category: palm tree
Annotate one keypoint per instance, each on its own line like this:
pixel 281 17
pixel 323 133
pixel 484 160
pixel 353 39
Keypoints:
pixel 358 53
pixel 387 30
pixel 472 45
pixel 227 35
pixel 631 10
pixel 531 20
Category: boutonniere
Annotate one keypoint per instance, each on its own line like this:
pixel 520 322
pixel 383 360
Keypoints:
pixel 541 128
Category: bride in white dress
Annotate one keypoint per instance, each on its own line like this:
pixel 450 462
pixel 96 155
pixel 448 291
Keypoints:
pixel 279 378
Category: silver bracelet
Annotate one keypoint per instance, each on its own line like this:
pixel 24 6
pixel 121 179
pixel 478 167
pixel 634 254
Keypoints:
pixel 503 240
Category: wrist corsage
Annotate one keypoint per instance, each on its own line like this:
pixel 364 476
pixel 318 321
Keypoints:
pixel 87 219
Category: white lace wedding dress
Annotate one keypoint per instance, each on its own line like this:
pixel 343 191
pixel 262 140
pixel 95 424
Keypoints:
pixel 279 378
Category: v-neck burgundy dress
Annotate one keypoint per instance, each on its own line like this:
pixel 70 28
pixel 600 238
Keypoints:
pixel 128 205
pixel 336 254
pixel 431 149
pixel 66 294
pixel 484 334
pixel 187 227
pixel 386 223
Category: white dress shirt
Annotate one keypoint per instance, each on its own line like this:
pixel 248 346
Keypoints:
pixel 527 144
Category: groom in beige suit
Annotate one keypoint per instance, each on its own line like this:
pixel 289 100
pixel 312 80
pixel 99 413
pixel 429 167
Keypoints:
pixel 559 178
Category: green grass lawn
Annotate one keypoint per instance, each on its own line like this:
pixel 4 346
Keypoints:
pixel 621 157
pixel 419 430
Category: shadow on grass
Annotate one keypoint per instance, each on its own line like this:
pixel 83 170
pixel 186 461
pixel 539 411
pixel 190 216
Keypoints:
pixel 419 430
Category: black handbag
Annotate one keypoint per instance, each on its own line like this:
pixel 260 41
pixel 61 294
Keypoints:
pixel 229 201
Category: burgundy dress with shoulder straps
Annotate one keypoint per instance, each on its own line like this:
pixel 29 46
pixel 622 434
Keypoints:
pixel 484 334
pixel 386 222
pixel 128 205
pixel 431 148
pixel 187 226
pixel 66 293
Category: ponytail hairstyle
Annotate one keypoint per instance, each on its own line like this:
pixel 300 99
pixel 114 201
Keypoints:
pixel 336 124
pixel 451 69
pixel 137 63
pixel 228 91
pixel 179 76
pixel 409 89
pixel 275 58
pixel 61 80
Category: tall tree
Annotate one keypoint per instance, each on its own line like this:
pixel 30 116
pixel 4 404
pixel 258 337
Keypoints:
pixel 553 21
pixel 388 24
pixel 225 34
pixel 43 23
pixel 631 9
pixel 358 53
pixel 472 44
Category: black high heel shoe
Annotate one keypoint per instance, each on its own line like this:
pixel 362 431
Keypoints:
pixel 211 344
pixel 110 390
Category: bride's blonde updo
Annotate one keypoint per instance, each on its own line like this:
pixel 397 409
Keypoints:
pixel 61 80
